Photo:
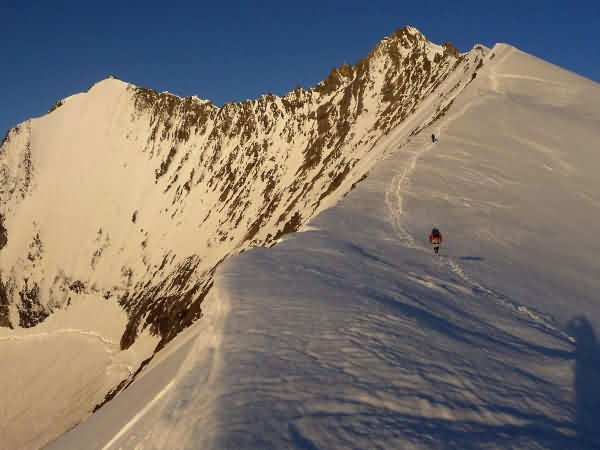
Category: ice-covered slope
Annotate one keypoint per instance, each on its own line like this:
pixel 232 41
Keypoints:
pixel 354 335
pixel 122 202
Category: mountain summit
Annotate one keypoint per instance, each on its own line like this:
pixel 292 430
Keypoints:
pixel 155 191
pixel 148 267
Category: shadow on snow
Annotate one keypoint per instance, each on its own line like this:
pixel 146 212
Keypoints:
pixel 587 382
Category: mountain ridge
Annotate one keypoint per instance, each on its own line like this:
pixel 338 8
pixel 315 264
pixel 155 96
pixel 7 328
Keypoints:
pixel 166 188
pixel 196 115
pixel 355 334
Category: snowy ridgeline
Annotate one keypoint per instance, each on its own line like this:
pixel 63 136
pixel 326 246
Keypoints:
pixel 117 208
pixel 352 334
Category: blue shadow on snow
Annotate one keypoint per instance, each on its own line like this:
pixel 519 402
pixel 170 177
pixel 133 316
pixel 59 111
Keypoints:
pixel 587 382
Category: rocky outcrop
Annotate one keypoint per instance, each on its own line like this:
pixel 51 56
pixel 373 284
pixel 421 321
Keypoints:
pixel 4 308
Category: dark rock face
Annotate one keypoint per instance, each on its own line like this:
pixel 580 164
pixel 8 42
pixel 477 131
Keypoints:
pixel 166 315
pixel 58 104
pixel 451 49
pixel 31 311
pixel 4 308
pixel 3 233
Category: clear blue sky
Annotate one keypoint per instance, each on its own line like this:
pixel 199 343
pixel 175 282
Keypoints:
pixel 229 52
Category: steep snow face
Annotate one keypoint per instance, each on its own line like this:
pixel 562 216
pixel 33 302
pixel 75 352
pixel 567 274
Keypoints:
pixel 130 197
pixel 354 334
pixel 519 187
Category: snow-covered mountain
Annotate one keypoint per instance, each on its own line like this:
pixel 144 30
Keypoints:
pixel 123 196
pixel 124 213
pixel 136 196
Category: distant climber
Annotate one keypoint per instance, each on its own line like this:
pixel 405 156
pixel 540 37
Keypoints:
pixel 433 138
pixel 435 238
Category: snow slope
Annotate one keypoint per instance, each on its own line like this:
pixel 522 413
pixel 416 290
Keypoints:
pixel 353 334
pixel 55 371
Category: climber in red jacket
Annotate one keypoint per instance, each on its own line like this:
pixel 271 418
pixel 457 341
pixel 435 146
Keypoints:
pixel 435 238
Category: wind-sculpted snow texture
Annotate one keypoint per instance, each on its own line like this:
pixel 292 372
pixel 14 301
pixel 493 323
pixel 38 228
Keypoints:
pixel 133 197
pixel 353 334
